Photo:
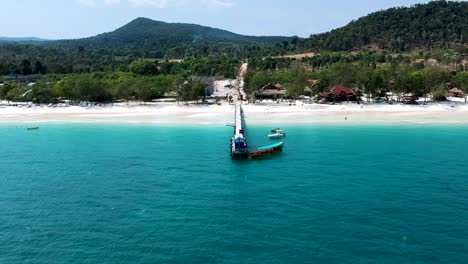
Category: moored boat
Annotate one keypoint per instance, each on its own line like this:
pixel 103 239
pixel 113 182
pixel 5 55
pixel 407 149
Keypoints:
pixel 33 128
pixel 267 150
pixel 278 133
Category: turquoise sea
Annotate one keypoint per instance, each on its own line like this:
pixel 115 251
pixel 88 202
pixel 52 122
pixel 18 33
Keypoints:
pixel 171 194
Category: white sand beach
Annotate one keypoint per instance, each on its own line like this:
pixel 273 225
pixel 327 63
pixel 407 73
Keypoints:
pixel 260 113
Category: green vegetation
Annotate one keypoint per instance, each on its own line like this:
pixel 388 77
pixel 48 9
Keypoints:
pixel 140 39
pixel 436 25
pixel 376 81
pixel 452 59
pixel 155 39
pixel 192 91
pixel 105 87
pixel 208 66
pixel 461 80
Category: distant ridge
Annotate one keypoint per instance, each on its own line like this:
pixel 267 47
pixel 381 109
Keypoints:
pixel 21 39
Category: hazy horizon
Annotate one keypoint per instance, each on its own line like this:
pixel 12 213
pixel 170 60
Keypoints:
pixel 54 19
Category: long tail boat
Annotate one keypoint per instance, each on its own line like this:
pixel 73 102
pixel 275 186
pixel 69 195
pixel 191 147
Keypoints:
pixel 267 150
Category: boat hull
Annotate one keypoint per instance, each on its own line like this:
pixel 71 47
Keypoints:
pixel 266 152
pixel 276 136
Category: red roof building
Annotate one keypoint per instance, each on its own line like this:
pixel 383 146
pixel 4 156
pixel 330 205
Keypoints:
pixel 338 93
pixel 312 82
pixel 339 89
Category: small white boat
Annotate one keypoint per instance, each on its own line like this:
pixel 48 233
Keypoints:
pixel 278 133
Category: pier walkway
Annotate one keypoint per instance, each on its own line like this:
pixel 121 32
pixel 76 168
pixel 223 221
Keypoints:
pixel 239 147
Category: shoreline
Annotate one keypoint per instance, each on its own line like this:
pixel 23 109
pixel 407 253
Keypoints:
pixel 262 114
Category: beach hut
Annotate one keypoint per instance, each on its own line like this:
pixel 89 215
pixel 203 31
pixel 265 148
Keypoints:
pixel 271 91
pixel 338 93
pixel 409 98
pixel 455 92
pixel 308 89
pixel 343 93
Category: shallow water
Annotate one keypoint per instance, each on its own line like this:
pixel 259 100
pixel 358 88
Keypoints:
pixel 168 194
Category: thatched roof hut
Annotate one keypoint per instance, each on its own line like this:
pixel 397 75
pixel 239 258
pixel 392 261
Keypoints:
pixel 271 91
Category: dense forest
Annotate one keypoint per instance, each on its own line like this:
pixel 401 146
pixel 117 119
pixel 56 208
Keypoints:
pixel 436 25
pixel 449 59
pixel 140 39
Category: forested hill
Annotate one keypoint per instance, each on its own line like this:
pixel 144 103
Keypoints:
pixel 144 29
pixel 156 39
pixel 436 25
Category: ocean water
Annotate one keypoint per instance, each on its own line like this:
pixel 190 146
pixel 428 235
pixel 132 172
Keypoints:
pixel 171 194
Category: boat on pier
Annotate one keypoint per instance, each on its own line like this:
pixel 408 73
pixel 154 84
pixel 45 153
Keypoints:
pixel 239 146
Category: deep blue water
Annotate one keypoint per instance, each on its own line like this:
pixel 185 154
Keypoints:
pixel 149 194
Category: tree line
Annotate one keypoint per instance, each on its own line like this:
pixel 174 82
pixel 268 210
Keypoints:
pixel 453 59
pixel 25 59
pixel 374 80
pixel 105 87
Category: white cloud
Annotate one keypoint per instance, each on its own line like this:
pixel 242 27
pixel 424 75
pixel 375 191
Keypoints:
pixel 156 3
pixel 160 3
pixel 219 3
pixel 111 2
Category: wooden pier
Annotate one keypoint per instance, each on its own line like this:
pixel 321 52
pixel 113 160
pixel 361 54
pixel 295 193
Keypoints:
pixel 239 146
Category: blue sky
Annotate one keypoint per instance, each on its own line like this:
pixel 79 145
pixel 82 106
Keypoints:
pixel 58 19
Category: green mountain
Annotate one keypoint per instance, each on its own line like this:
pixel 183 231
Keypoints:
pixel 156 39
pixel 144 30
pixel 438 24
